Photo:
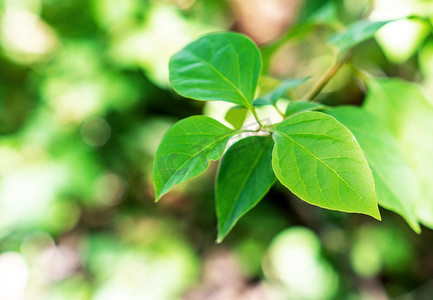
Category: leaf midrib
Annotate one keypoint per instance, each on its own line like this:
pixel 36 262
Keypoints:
pixel 193 156
pixel 221 75
pixel 256 161
pixel 344 181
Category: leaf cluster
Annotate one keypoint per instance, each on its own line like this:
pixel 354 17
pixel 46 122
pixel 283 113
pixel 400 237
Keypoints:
pixel 348 159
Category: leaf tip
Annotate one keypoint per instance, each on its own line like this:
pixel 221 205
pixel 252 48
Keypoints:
pixel 221 236
pixel 158 195
pixel 415 226
pixel 376 214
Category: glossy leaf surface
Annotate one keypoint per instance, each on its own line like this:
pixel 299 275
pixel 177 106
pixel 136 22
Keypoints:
pixel 186 151
pixel 244 177
pixel 393 178
pixel 320 161
pixel 219 66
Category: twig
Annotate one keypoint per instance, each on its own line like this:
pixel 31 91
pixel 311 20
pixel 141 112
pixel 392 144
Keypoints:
pixel 318 87
pixel 253 110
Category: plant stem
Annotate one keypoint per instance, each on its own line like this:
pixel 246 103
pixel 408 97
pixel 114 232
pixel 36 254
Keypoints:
pixel 247 130
pixel 362 75
pixel 279 111
pixel 253 110
pixel 318 87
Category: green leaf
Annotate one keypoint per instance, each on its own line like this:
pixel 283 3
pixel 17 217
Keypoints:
pixel 402 106
pixel 186 151
pixel 320 161
pixel 318 10
pixel 219 67
pixel 298 107
pixel 356 33
pixel 236 116
pixel 244 177
pixel 272 97
pixel 393 177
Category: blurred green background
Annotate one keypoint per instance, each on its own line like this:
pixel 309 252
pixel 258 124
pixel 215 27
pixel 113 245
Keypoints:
pixel 84 102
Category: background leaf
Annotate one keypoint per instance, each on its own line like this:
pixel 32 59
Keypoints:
pixel 319 160
pixel 402 106
pixel 272 97
pixel 314 10
pixel 356 33
pixel 301 106
pixel 244 177
pixel 186 150
pixel 219 66
pixel 393 178
pixel 236 116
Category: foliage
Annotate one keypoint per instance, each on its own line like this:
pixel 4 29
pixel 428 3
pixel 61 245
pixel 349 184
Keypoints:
pixel 326 159
pixel 85 100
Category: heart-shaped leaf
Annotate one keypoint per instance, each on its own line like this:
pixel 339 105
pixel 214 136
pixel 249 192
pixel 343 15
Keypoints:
pixel 320 161
pixel 220 66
